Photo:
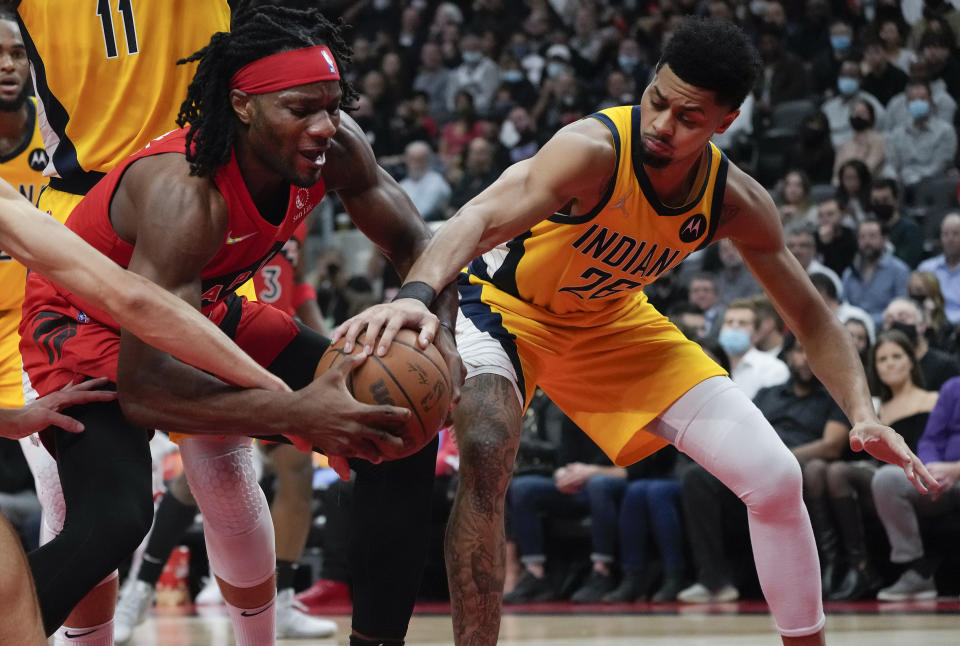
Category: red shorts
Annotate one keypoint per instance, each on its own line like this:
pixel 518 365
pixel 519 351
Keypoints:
pixel 60 343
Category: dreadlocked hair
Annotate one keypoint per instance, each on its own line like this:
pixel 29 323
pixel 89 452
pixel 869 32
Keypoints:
pixel 256 33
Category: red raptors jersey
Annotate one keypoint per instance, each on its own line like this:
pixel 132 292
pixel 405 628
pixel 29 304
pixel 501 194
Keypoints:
pixel 275 282
pixel 249 242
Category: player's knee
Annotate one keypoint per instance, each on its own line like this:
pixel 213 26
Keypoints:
pixel 126 520
pixel 777 486
pixel 487 454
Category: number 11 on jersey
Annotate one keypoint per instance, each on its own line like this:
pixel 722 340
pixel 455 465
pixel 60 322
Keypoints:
pixel 125 9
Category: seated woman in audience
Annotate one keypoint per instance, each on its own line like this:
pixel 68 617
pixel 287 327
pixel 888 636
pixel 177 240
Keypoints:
pixel 867 145
pixel 853 189
pixel 895 379
pixel 795 204
pixel 923 288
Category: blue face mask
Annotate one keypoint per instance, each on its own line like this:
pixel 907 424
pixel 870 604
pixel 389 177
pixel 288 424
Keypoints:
pixel 840 43
pixel 919 108
pixel 628 63
pixel 471 57
pixel 734 342
pixel 847 85
pixel 512 76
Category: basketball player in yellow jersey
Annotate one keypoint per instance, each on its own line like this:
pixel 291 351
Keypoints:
pixel 561 246
pixel 22 159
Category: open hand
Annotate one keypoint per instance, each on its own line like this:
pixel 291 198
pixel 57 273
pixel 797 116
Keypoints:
pixel 43 412
pixel 884 443
pixel 384 321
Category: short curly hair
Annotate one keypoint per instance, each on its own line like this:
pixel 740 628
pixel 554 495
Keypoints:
pixel 714 55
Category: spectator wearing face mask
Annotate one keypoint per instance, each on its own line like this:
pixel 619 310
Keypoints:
pixel 477 75
pixel 925 145
pixel 826 66
pixel 751 369
pixel 867 144
pixel 902 231
pixel 898 108
pixel 837 109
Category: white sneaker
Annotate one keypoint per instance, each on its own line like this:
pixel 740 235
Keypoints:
pixel 210 594
pixel 135 598
pixel 699 593
pixel 294 623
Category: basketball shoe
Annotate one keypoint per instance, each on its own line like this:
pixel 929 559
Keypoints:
pixel 294 623
pixel 135 598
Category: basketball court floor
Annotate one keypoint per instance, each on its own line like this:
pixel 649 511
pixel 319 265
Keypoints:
pixel 930 623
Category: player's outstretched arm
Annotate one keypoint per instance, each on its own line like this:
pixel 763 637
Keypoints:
pixel 156 316
pixel 574 167
pixel 183 224
pixel 751 220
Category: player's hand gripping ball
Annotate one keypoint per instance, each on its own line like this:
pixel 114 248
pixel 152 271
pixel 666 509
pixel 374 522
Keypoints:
pixel 407 376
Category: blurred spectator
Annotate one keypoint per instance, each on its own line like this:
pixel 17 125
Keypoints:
pixel 814 151
pixel 702 292
pixel 514 80
pixel 620 90
pixel 827 63
pixel 464 128
pixel 891 33
pixel 578 488
pixel 837 109
pixel 801 240
pixel 853 190
pixel 898 113
pixel 734 280
pixel 876 275
pixel 735 140
pixel 836 242
pixel 518 136
pixel 902 231
pixel 477 75
pixel 409 38
pixel 650 506
pixel 433 79
pixel 936 366
pixel 751 369
pixel 809 423
pixel 690 320
pixel 845 312
pixel 560 102
pixel 478 173
pixel 937 48
pixel 396 77
pixel 770 327
pixel 632 62
pixel 946 266
pixel 933 10
pixel 427 188
pixel 867 144
pixel 783 76
pixel 374 128
pixel 813 40
pixel 925 145
pixel 923 288
pixel 881 79
pixel 795 204
pixel 667 290
pixel 899 505
pixel 587 40
pixel 860 337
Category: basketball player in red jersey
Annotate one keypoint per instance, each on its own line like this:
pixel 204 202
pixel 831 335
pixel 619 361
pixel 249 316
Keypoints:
pixel 266 140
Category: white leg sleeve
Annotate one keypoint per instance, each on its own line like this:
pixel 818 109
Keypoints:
pixel 236 520
pixel 47 481
pixel 719 427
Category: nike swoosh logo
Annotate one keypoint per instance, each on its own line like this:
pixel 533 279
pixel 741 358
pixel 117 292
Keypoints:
pixel 254 614
pixel 70 635
pixel 232 240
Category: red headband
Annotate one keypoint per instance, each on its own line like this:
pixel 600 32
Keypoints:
pixel 286 69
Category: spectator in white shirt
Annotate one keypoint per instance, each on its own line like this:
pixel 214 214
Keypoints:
pixel 837 109
pixel 925 145
pixel 427 188
pixel 750 369
pixel 477 75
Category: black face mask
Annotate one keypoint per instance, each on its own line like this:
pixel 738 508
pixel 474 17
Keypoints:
pixel 919 299
pixel 910 331
pixel 859 123
pixel 883 211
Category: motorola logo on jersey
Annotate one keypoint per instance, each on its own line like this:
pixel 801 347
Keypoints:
pixel 693 227
pixel 38 159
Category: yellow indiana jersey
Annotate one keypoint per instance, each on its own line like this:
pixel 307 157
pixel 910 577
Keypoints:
pixel 23 169
pixel 105 72
pixel 591 262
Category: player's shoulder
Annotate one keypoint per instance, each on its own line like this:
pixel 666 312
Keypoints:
pixel 585 147
pixel 350 160
pixel 746 206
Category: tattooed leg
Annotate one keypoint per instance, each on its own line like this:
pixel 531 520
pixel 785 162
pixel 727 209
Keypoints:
pixel 487 425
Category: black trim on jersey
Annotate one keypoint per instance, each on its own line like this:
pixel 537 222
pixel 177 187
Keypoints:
pixel 505 277
pixel 79 183
pixel 561 218
pixel 65 158
pixel 231 320
pixel 486 320
pixel 716 206
pixel 479 268
pixel 644 181
pixel 31 126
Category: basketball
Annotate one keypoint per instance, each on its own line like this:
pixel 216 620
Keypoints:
pixel 407 376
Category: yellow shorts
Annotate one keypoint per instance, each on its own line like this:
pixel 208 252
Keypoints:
pixel 11 375
pixel 611 371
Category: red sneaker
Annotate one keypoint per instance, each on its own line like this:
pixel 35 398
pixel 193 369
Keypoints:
pixel 325 592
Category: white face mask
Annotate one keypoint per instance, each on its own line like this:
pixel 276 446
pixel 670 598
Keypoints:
pixel 555 69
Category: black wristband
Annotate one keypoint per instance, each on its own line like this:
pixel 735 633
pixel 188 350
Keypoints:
pixel 417 290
